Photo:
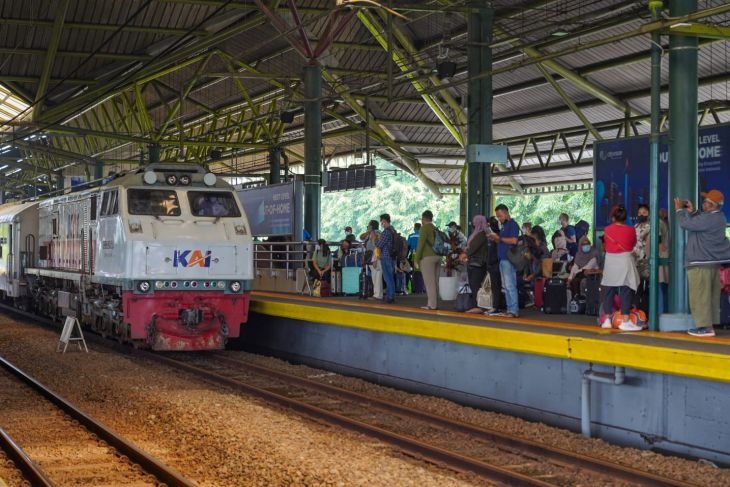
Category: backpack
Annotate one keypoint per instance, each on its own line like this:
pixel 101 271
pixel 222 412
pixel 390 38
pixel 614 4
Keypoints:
pixel 396 244
pixel 401 247
pixel 441 244
pixel 581 230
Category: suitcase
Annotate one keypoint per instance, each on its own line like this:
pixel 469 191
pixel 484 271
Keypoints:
pixel 539 292
pixel 556 297
pixel 350 280
pixel 590 288
pixel 725 310
pixel 365 286
pixel 419 286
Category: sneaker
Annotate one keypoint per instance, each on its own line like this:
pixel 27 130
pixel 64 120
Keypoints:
pixel 629 326
pixel 606 323
pixel 705 332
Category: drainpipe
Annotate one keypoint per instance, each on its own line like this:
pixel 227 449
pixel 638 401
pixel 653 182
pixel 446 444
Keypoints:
pixel 616 379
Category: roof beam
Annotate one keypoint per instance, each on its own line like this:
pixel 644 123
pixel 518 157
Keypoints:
pixel 61 9
pixel 23 51
pixel 103 27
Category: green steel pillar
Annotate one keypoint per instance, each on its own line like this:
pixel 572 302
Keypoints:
pixel 682 146
pixel 275 165
pixel 312 148
pixel 2 188
pixel 479 183
pixel 60 182
pixel 154 151
pixel 655 6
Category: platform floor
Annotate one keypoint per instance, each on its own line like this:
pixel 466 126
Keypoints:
pixel 574 337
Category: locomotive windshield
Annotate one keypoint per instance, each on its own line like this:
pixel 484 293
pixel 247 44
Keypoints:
pixel 213 203
pixel 154 202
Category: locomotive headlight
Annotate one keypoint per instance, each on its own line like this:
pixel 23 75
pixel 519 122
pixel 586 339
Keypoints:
pixel 221 284
pixel 143 286
pixel 150 177
pixel 185 180
pixel 171 179
pixel 209 179
pixel 235 286
pixel 159 284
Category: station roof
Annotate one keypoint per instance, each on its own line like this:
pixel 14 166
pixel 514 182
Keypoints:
pixel 220 82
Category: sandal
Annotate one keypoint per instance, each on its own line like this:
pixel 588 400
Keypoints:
pixel 428 308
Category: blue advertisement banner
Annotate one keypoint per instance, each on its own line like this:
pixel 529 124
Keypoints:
pixel 622 172
pixel 270 209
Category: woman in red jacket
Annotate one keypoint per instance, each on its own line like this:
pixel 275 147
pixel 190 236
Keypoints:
pixel 619 271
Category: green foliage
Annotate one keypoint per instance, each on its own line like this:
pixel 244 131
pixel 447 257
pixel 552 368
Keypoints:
pixel 404 197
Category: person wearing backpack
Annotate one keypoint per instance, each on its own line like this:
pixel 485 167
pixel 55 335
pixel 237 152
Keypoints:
pixel 386 244
pixel 427 260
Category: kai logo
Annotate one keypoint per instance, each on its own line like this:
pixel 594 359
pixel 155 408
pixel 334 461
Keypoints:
pixel 191 258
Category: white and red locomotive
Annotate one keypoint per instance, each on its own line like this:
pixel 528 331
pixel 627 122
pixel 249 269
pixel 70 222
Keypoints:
pixel 161 257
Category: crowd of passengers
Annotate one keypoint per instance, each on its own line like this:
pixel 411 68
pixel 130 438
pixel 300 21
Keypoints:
pixel 399 264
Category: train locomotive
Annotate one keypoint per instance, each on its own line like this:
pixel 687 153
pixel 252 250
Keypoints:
pixel 160 257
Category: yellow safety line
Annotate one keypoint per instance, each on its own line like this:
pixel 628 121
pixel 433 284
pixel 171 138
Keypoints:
pixel 689 363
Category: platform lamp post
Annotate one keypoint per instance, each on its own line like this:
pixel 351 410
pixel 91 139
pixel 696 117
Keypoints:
pixel 655 6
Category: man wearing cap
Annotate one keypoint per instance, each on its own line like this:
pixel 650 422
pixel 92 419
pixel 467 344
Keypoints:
pixel 349 235
pixel 707 247
pixel 456 236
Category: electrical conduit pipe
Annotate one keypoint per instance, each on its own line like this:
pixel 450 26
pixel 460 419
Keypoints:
pixel 617 378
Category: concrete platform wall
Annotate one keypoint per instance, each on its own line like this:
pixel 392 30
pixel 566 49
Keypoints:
pixel 662 412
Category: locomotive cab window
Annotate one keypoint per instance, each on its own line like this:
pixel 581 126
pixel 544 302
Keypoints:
pixel 110 203
pixel 213 203
pixel 153 202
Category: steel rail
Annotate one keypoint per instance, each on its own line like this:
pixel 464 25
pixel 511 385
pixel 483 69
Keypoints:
pixel 564 457
pixel 149 463
pixel 411 446
pixel 22 462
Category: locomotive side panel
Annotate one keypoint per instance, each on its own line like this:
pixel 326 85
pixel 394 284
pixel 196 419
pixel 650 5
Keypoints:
pixel 18 246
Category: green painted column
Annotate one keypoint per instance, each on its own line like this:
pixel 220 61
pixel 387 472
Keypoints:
pixel 479 183
pixel 275 165
pixel 682 146
pixel 98 170
pixel 655 6
pixel 312 148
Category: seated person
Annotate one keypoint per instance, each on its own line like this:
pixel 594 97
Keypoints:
pixel 321 263
pixel 560 246
pixel 586 262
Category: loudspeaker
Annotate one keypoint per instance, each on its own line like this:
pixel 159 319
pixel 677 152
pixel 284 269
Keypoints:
pixel 446 69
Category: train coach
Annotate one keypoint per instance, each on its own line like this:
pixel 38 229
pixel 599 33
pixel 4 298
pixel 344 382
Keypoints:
pixel 160 257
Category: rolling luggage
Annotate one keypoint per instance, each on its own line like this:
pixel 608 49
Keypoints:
pixel 539 292
pixel 419 287
pixel 578 305
pixel 350 280
pixel 325 289
pixel 590 287
pixel 365 286
pixel 556 297
pixel 725 310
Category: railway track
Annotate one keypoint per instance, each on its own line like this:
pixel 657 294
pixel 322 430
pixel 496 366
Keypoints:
pixel 463 447
pixel 51 442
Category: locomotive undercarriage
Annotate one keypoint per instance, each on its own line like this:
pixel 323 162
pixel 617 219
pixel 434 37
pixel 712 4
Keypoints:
pixel 98 307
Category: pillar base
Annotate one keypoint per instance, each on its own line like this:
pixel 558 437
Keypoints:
pixel 676 322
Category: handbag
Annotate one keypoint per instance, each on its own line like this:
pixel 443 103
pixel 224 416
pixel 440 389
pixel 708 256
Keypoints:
pixel 484 294
pixel 519 256
pixel 464 300
pixel 316 288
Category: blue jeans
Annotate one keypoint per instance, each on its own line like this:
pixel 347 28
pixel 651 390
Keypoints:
pixel 509 285
pixel 388 268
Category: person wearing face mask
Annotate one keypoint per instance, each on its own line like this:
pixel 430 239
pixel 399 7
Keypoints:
pixel 560 249
pixel 586 262
pixel 641 254
pixel 458 239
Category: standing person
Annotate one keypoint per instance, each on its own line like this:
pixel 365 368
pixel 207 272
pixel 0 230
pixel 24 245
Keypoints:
pixel 427 260
pixel 476 256
pixel 369 238
pixel 569 232
pixel 619 271
pixel 642 250
pixel 413 239
pixel 707 248
pixel 387 266
pixel 498 303
pixel 458 239
pixel 506 240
